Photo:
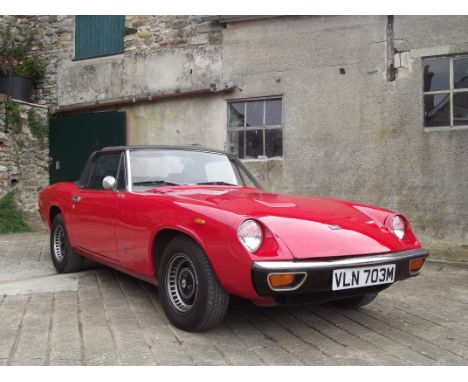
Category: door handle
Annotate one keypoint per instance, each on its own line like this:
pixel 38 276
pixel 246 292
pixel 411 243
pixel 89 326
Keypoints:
pixel 76 198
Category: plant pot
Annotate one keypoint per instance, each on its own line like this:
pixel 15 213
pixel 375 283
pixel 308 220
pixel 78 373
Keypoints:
pixel 17 87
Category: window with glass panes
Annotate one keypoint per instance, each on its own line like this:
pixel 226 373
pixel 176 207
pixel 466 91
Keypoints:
pixel 445 86
pixel 255 128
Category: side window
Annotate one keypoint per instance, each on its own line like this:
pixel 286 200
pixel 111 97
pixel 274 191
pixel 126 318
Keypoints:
pixel 105 165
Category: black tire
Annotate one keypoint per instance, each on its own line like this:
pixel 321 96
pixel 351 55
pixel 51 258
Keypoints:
pixel 65 259
pixel 355 302
pixel 189 291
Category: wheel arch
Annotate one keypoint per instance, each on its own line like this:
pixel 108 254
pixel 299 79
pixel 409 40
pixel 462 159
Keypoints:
pixel 162 238
pixel 54 210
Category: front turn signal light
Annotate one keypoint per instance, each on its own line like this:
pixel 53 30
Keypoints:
pixel 416 265
pixel 279 280
pixel 286 281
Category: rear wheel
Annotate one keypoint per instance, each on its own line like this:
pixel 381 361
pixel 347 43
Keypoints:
pixel 356 302
pixel 64 258
pixel 189 291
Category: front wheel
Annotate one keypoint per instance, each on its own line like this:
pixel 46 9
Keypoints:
pixel 64 258
pixel 355 302
pixel 189 291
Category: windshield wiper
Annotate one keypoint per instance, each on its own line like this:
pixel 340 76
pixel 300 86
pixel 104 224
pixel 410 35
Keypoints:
pixel 155 182
pixel 218 183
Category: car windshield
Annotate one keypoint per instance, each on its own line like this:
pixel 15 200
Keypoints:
pixel 161 167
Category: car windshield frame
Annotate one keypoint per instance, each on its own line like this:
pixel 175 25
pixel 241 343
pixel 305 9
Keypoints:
pixel 241 169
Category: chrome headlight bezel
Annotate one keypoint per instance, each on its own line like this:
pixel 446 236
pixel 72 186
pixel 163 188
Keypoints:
pixel 253 240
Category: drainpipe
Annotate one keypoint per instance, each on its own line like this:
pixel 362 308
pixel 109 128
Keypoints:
pixel 390 37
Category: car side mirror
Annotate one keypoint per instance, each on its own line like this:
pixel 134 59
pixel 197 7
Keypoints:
pixel 108 183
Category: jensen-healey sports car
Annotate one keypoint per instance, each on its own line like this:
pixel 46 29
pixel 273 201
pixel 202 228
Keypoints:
pixel 196 223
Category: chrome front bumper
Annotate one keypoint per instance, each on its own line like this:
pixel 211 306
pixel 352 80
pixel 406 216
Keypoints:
pixel 317 285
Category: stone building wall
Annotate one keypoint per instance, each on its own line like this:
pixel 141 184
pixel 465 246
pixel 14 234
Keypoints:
pixel 146 36
pixel 23 159
pixel 152 33
pixel 161 54
pixel 348 131
pixel 53 43
pixel 193 43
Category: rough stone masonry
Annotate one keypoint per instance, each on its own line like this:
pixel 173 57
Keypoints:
pixel 24 164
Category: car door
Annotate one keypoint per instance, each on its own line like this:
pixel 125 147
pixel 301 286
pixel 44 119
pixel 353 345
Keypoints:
pixel 94 209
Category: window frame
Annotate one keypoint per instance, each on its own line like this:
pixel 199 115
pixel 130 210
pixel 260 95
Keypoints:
pixel 122 163
pixel 252 128
pixel 451 91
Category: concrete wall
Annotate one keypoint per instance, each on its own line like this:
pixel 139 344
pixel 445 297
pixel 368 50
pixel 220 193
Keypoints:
pixel 356 136
pixel 129 75
pixel 198 120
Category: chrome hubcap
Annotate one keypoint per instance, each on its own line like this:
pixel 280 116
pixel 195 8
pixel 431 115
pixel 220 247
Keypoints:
pixel 59 244
pixel 181 282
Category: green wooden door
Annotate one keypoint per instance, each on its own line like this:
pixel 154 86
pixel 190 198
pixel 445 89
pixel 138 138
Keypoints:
pixel 73 138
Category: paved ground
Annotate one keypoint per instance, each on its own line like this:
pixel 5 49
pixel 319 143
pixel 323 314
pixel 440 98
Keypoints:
pixel 102 317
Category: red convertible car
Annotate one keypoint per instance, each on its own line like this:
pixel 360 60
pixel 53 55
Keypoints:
pixel 196 223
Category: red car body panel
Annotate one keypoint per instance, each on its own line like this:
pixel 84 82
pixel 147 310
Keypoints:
pixel 119 228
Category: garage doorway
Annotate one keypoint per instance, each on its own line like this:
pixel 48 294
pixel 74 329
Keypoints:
pixel 73 138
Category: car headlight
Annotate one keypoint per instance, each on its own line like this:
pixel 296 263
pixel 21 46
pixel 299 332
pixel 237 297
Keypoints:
pixel 399 226
pixel 250 234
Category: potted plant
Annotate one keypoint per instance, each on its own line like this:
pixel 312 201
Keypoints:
pixel 18 72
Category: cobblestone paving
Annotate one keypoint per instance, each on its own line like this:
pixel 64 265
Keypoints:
pixel 103 317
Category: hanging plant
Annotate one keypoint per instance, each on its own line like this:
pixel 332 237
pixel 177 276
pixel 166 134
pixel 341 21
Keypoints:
pixel 14 59
pixel 18 71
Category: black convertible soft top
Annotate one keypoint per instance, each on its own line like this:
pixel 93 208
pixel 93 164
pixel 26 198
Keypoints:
pixel 164 147
pixel 116 149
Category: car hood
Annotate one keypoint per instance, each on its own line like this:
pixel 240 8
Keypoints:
pixel 310 226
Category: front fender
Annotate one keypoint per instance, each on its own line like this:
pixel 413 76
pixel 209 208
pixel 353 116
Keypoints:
pixel 214 232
